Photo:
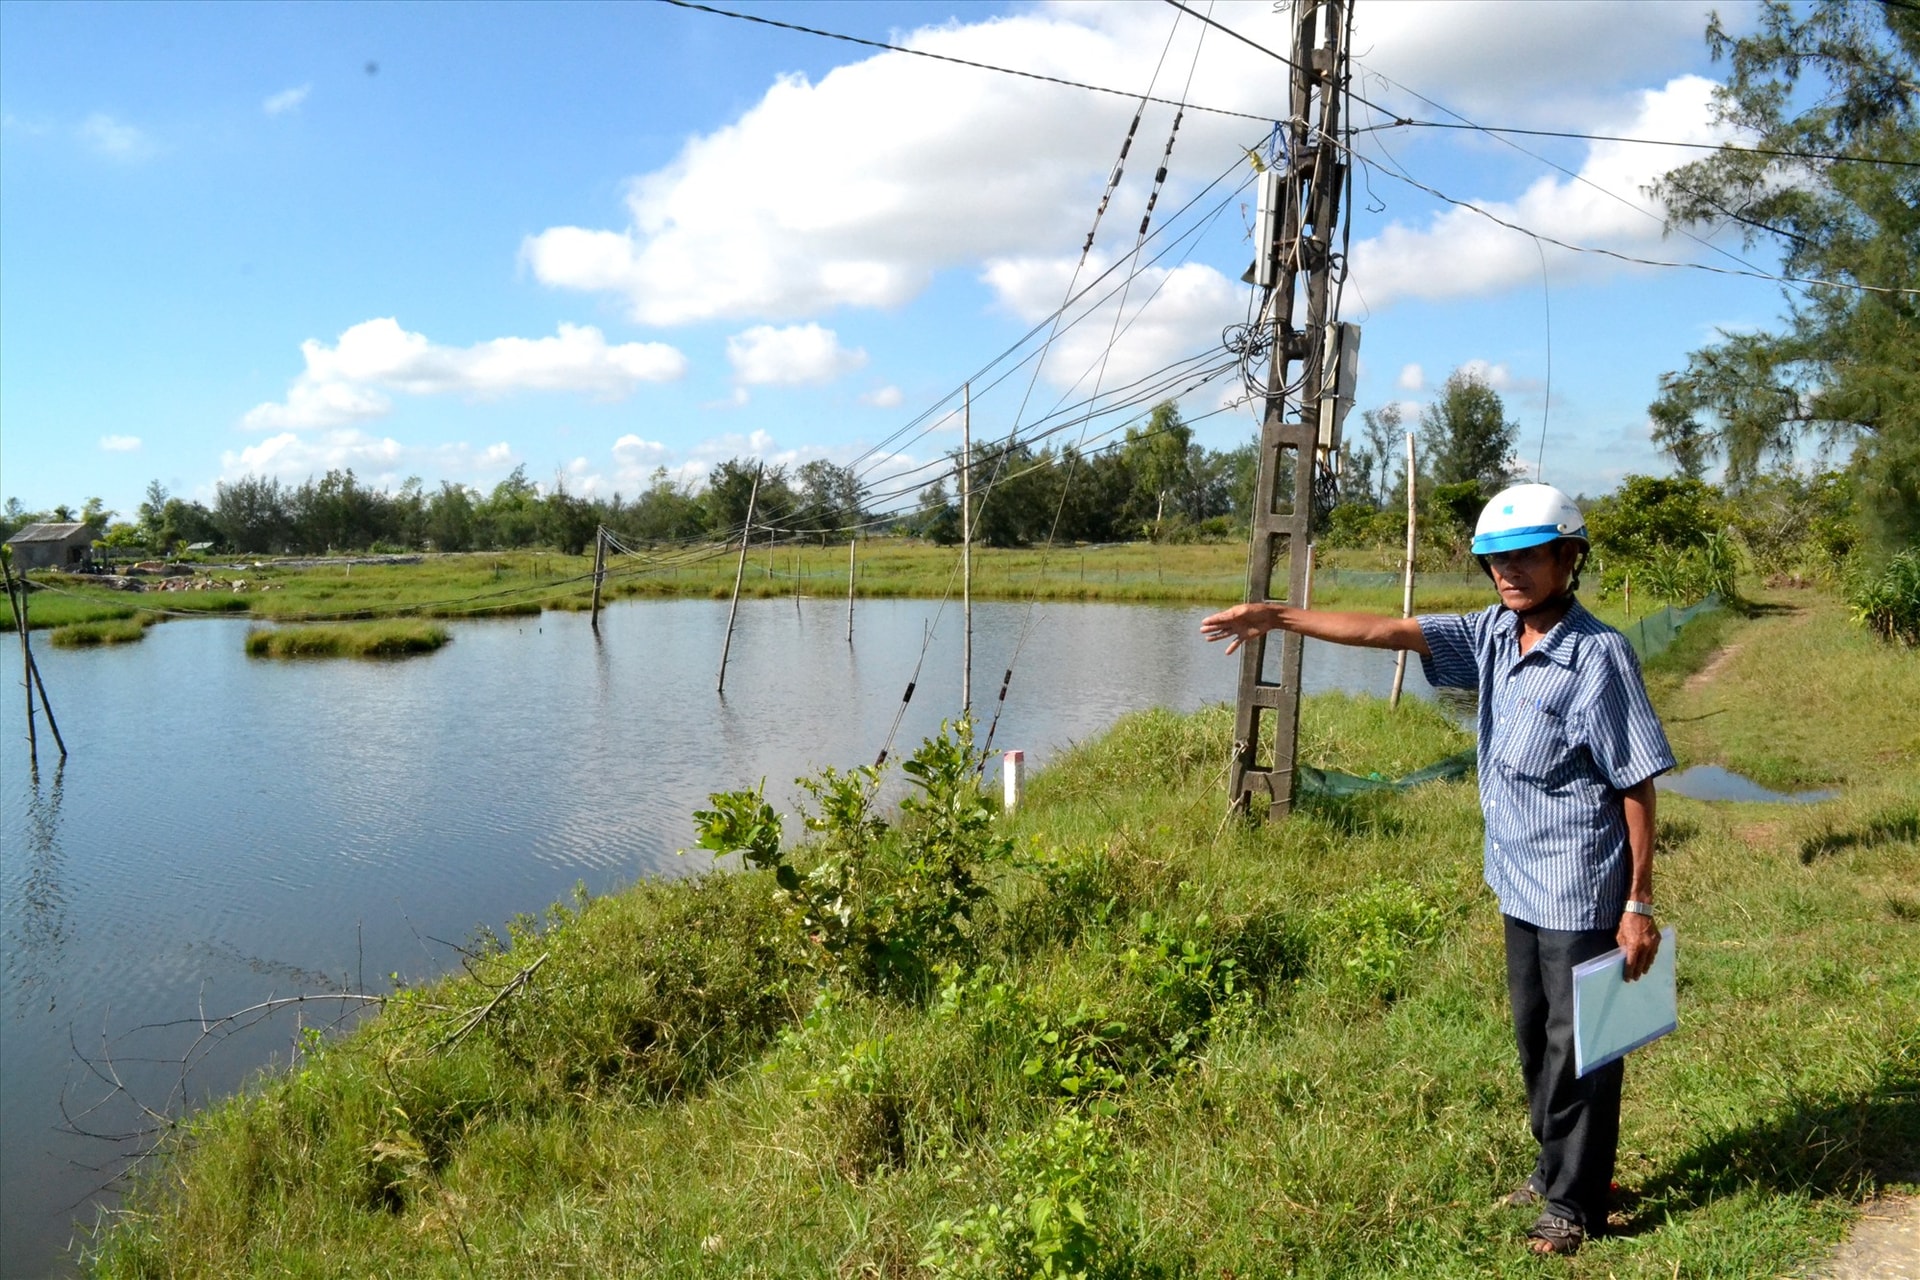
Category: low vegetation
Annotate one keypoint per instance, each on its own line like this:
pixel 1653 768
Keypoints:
pixel 522 584
pixel 86 635
pixel 1114 1034
pixel 347 640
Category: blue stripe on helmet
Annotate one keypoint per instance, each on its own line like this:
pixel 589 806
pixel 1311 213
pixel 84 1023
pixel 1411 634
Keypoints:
pixel 1486 544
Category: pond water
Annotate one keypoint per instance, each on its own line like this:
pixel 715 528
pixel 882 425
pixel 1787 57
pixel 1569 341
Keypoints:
pixel 231 829
pixel 1712 782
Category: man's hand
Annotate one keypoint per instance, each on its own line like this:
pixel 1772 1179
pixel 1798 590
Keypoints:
pixel 1640 940
pixel 1240 624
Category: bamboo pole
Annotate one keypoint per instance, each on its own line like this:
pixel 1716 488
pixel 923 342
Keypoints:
pixel 46 706
pixel 851 542
pixel 19 604
pixel 599 573
pixel 966 549
pixel 739 572
pixel 1406 592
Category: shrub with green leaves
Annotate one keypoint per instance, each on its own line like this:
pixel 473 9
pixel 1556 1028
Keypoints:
pixel 1055 1218
pixel 1887 601
pixel 1372 935
pixel 881 905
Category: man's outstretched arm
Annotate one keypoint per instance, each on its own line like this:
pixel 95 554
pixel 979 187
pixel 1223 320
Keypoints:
pixel 1369 630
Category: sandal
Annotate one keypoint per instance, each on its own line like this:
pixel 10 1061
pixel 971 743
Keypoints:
pixel 1555 1235
pixel 1525 1196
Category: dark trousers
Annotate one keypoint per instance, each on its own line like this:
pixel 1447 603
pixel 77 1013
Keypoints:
pixel 1576 1120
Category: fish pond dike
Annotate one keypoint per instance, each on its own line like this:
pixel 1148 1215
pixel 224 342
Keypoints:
pixel 230 830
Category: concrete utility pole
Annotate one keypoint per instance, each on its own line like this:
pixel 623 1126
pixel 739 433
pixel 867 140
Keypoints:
pixel 1300 208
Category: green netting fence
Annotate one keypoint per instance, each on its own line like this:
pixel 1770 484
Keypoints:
pixel 1655 633
pixel 1648 636
pixel 1395 578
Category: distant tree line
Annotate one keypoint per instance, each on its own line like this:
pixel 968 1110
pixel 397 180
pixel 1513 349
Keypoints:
pixel 1155 483
pixel 339 512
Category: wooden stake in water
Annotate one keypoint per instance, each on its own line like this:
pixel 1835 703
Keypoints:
pixel 851 543
pixel 739 572
pixel 1406 591
pixel 19 605
pixel 966 549
pixel 33 666
pixel 599 573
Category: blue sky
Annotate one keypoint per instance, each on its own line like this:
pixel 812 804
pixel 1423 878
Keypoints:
pixel 445 240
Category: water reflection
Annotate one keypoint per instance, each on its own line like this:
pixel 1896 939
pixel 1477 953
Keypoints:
pixel 37 934
pixel 230 829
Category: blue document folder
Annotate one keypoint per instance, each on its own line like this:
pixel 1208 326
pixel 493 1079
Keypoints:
pixel 1611 1016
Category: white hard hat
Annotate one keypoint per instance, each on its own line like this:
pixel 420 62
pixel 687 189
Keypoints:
pixel 1527 515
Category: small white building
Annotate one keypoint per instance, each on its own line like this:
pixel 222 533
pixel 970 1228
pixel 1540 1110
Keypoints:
pixel 52 546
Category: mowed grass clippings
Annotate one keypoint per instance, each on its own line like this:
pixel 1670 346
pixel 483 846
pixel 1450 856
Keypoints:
pixel 396 639
pixel 675 1092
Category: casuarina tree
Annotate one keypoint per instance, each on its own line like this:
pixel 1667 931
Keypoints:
pixel 1825 98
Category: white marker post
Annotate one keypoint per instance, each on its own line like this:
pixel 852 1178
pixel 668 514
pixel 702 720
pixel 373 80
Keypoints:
pixel 1013 766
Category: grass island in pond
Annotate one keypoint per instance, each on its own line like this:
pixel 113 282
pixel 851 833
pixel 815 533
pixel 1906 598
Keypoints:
pixel 395 639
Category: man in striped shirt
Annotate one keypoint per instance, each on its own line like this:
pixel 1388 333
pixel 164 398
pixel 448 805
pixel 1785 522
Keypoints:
pixel 1569 747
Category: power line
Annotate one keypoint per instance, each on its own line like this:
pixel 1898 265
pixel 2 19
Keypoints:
pixel 1835 157
pixel 1397 120
pixel 1627 257
pixel 943 57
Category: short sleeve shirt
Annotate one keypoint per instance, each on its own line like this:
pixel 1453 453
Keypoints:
pixel 1564 730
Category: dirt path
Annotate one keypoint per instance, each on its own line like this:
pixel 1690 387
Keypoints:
pixel 1718 663
pixel 1884 1244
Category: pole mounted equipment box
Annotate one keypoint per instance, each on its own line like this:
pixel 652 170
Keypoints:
pixel 1340 369
pixel 1265 228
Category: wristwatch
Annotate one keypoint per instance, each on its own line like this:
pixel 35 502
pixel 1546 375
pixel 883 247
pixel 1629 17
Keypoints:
pixel 1640 908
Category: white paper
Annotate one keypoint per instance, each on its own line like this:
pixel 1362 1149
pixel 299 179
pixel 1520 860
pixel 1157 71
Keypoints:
pixel 1611 1016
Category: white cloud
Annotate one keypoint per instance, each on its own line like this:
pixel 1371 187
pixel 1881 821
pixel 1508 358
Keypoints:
pixel 1412 378
pixel 738 398
pixel 1477 58
pixel 857 189
pixel 1169 314
pixel 120 444
pixel 343 383
pixel 380 461
pixel 113 138
pixel 888 397
pixel 36 127
pixel 286 100
pixel 798 355
pixel 1459 253
pixel 854 191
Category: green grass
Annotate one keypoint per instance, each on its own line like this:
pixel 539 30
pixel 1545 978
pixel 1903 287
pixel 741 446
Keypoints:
pixel 393 639
pixel 523 583
pixel 675 1092
pixel 84 635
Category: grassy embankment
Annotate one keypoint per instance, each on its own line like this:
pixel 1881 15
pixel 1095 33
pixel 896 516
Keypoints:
pixel 524 583
pixel 392 639
pixel 1169 1046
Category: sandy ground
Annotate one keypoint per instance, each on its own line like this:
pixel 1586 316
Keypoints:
pixel 1885 1244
